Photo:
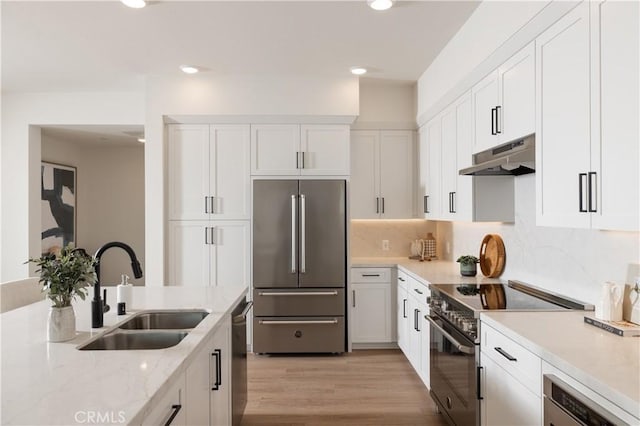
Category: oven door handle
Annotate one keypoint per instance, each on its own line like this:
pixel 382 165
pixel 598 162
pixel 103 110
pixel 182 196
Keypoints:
pixel 470 350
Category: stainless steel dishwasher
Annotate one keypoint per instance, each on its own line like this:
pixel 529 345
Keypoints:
pixel 565 406
pixel 239 360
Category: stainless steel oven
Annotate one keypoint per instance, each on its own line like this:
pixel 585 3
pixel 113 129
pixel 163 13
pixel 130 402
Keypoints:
pixel 454 381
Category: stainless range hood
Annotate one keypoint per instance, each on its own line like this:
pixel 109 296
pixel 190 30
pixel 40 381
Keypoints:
pixel 512 158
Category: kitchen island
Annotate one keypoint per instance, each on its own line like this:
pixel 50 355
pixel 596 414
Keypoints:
pixel 55 383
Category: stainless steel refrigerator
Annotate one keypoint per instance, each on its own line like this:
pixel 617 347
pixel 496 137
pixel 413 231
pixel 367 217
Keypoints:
pixel 299 266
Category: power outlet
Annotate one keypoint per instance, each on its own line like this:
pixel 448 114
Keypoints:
pixel 385 245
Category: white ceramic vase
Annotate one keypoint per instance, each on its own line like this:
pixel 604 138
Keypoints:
pixel 61 324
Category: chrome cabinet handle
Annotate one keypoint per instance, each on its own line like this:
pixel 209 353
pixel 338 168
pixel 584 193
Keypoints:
pixel 382 205
pixel 498 126
pixel 493 121
pixel 303 231
pixel 303 159
pixel 206 204
pixel 293 234
pixel 505 354
pixel 212 230
pixel 297 159
pixel 206 235
pixel 453 202
pixel 213 205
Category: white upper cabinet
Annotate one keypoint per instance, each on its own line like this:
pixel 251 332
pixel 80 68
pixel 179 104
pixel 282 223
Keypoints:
pixel 563 127
pixel 318 150
pixel 614 157
pixel 208 172
pixel 587 119
pixel 325 150
pixel 504 101
pixel 432 148
pixel 381 174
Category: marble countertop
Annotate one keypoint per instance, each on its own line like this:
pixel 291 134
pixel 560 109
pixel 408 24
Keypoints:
pixel 49 383
pixel 606 363
pixel 430 272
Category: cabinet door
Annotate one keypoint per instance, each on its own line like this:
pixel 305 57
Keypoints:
pixel 220 395
pixel 172 402
pixel 422 194
pixel 189 253
pixel 365 177
pixel 563 121
pixel 371 313
pixel 198 387
pixel 449 163
pixel 402 310
pixel 434 170
pixel 506 402
pixel 230 253
pixel 425 346
pixel 188 163
pixel 230 175
pixel 325 150
pixel 463 202
pixel 485 99
pixel 516 115
pixel 414 340
pixel 615 155
pixel 396 174
pixel 275 149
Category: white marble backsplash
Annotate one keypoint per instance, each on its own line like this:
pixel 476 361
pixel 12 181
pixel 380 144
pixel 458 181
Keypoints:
pixel 367 236
pixel 573 262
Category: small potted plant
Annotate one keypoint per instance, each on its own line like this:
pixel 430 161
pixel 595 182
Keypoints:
pixel 65 275
pixel 468 265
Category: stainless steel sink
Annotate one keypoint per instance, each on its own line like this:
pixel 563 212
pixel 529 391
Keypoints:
pixel 165 320
pixel 148 330
pixel 117 340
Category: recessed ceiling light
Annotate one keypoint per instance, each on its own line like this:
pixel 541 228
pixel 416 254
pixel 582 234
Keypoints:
pixel 358 70
pixel 380 4
pixel 135 4
pixel 189 69
pixel 141 140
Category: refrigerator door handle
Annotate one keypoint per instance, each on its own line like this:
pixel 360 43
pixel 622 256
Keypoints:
pixel 293 234
pixel 303 234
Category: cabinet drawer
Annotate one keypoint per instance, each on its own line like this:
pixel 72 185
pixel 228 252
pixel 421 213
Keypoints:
pixel 298 334
pixel 292 302
pixel 513 358
pixel 418 290
pixel 403 280
pixel 370 275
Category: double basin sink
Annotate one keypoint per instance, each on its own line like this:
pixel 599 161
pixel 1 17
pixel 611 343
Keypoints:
pixel 148 330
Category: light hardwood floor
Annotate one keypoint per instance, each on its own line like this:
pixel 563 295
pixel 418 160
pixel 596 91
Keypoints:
pixel 372 387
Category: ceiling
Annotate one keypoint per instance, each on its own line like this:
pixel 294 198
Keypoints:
pixel 96 135
pixel 103 45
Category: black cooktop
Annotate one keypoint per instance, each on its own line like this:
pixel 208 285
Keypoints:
pixel 513 296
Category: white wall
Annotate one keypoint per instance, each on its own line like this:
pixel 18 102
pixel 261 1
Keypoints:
pixel 574 262
pixel 230 96
pixel 109 200
pixel 386 104
pixel 22 114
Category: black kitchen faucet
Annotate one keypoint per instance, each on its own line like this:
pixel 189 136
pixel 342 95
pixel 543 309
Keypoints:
pixel 98 306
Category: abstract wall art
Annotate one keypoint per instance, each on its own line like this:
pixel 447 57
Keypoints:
pixel 58 206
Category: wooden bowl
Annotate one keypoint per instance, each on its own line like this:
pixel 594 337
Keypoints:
pixel 492 256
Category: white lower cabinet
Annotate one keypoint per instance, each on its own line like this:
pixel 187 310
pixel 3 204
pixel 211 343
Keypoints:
pixel 511 381
pixel 208 381
pixel 170 408
pixel 372 320
pixel 412 326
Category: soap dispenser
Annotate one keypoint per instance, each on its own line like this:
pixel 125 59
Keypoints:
pixel 125 291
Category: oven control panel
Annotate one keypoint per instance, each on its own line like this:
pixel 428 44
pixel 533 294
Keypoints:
pixel 460 318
